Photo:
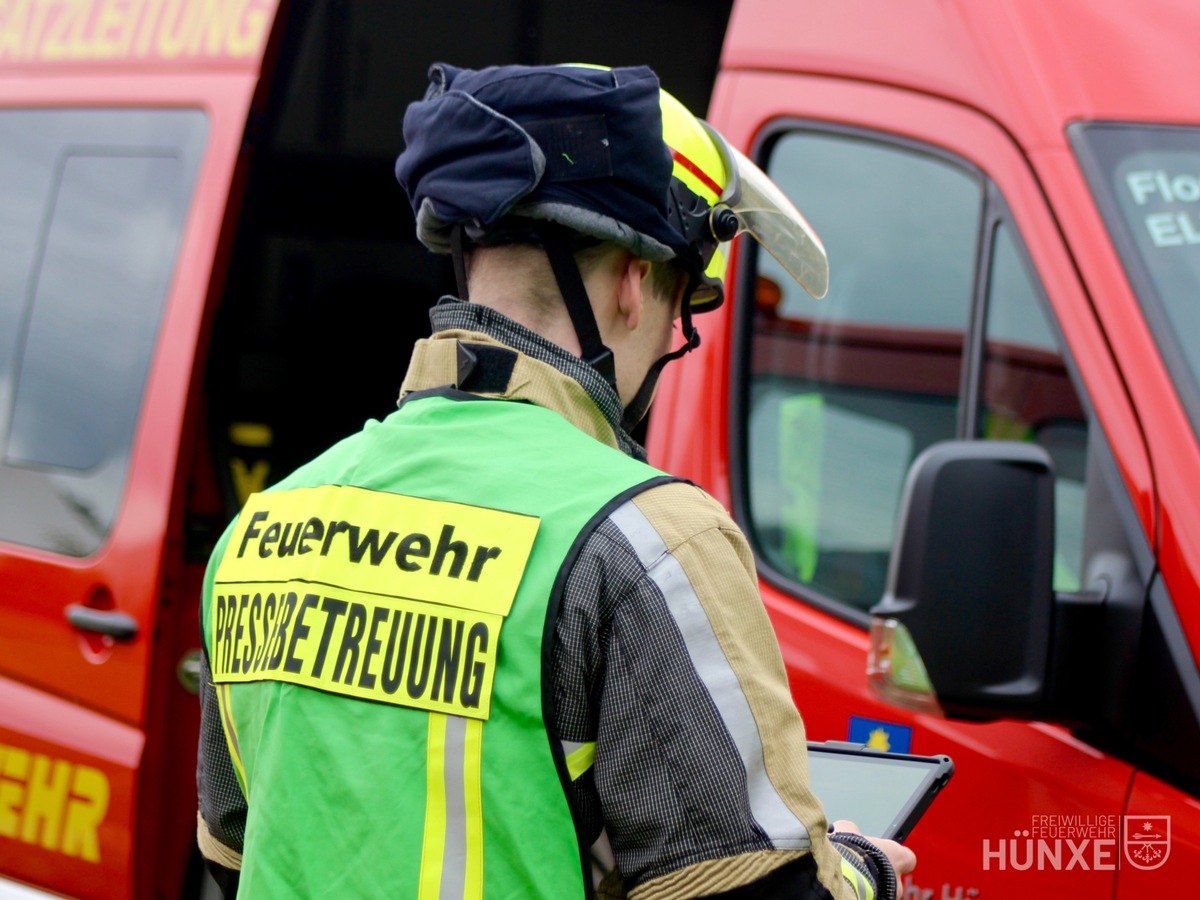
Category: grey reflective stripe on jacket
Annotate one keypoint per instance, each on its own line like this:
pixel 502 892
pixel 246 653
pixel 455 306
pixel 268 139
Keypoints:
pixel 782 827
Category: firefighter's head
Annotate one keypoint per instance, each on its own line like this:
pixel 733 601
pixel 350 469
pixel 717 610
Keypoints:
pixel 564 157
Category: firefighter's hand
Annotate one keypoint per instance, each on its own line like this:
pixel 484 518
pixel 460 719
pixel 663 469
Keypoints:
pixel 902 859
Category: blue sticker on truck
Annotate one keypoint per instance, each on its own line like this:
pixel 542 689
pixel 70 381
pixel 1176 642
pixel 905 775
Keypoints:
pixel 880 735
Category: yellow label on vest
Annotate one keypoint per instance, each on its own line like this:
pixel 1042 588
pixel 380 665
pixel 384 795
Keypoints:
pixel 388 649
pixel 382 543
pixel 369 594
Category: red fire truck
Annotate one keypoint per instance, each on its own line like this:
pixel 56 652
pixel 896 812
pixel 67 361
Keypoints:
pixel 968 473
pixel 990 422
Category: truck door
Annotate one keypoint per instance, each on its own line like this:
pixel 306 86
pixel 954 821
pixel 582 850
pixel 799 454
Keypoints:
pixel 953 311
pixel 115 167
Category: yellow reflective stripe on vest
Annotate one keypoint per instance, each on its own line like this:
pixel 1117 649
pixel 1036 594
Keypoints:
pixel 452 849
pixel 579 757
pixel 231 738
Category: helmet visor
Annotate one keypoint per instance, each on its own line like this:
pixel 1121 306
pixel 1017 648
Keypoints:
pixel 766 214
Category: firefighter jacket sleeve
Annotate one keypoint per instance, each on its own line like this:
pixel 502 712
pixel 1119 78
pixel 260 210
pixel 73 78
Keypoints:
pixel 667 667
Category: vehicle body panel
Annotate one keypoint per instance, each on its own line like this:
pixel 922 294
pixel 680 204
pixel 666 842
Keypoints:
pixel 96 715
pixel 67 779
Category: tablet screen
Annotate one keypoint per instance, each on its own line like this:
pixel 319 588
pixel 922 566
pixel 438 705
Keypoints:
pixel 871 793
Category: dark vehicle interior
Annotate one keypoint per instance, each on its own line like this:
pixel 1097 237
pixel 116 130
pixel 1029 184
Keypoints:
pixel 327 288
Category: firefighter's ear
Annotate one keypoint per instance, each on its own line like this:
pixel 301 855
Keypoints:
pixel 632 284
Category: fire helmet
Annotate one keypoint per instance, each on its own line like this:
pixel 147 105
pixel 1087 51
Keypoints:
pixel 605 153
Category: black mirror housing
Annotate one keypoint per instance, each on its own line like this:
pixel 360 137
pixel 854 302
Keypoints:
pixel 971 574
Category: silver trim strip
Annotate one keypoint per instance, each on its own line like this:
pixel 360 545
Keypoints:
pixel 454 856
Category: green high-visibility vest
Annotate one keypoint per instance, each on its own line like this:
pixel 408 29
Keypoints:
pixel 378 627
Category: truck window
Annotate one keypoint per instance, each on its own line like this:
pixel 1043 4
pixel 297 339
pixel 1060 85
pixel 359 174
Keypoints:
pixel 1027 394
pixel 1146 179
pixel 844 392
pixel 94 208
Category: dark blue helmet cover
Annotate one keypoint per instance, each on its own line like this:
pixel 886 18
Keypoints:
pixel 575 145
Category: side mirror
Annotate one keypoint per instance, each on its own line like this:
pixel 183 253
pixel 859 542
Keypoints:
pixel 965 622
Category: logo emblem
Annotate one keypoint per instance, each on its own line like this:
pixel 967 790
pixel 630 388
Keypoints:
pixel 1147 840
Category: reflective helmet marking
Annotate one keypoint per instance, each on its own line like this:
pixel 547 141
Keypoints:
pixel 705 179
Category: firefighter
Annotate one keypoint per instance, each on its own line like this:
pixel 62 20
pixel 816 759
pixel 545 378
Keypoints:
pixel 481 648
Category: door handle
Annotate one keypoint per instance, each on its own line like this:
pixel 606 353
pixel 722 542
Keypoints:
pixel 114 623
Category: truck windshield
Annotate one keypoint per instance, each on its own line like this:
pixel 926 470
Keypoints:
pixel 1147 183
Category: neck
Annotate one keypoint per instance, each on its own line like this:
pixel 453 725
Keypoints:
pixel 516 280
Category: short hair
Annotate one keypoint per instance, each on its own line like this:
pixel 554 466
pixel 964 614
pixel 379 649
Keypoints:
pixel 541 294
pixel 664 276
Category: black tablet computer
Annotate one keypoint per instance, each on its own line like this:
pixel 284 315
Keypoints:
pixel 884 794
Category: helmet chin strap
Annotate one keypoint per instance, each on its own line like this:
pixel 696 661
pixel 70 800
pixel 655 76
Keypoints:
pixel 459 258
pixel 579 307
pixel 570 285
pixel 640 404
